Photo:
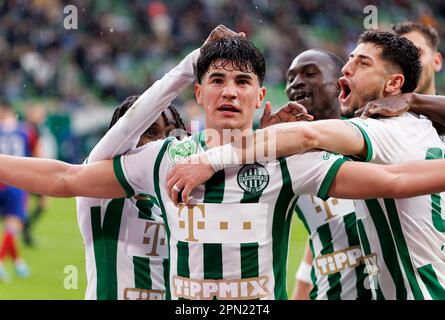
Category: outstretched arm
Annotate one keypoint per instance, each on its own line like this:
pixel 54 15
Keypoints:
pixel 277 141
pixel 356 180
pixel 60 179
pixel 432 106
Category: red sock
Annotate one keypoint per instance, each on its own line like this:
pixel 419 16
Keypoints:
pixel 8 246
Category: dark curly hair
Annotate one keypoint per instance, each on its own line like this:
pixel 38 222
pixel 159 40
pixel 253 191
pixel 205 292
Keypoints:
pixel 399 52
pixel 430 34
pixel 234 51
pixel 170 116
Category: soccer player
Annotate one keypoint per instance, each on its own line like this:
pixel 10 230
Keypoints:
pixel 426 39
pixel 402 240
pixel 311 80
pixel 125 241
pixel 17 139
pixel 232 242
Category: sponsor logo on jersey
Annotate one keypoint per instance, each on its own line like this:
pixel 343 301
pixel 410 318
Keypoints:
pixel 142 294
pixel 181 150
pixel 215 223
pixel 223 289
pixel 348 258
pixel 253 178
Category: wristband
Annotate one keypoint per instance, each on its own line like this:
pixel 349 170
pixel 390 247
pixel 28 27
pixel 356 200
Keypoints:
pixel 304 272
pixel 222 157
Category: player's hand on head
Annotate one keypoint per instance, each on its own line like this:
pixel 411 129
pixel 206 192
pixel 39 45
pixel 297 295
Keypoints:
pixel 222 31
pixel 290 112
pixel 186 176
pixel 390 106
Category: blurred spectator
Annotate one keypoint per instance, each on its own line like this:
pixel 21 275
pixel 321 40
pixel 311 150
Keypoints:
pixel 121 47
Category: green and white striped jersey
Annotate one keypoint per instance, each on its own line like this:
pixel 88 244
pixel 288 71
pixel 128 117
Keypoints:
pixel 125 242
pixel 403 238
pixel 125 248
pixel 338 267
pixel 232 242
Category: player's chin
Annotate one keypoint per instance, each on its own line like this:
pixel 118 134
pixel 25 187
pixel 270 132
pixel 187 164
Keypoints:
pixel 230 123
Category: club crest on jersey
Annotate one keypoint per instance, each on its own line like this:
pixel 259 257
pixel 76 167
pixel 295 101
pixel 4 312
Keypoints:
pixel 253 178
pixel 181 150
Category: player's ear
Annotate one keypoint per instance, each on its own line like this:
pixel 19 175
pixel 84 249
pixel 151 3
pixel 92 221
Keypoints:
pixel 261 96
pixel 393 83
pixel 198 93
pixel 438 60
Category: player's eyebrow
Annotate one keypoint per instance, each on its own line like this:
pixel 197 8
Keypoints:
pixel 244 76
pixel 302 67
pixel 216 75
pixel 360 56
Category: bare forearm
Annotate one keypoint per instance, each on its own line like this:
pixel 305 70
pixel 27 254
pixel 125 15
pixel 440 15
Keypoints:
pixel 357 180
pixel 42 176
pixel 429 105
pixel 59 179
pixel 284 140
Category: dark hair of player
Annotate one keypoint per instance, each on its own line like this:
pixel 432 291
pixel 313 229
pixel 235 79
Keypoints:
pixel 398 52
pixel 236 52
pixel 170 116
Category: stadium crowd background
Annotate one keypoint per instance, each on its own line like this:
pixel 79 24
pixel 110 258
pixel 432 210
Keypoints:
pixel 121 47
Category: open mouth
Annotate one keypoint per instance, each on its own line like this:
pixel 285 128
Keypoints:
pixel 302 97
pixel 228 109
pixel 345 90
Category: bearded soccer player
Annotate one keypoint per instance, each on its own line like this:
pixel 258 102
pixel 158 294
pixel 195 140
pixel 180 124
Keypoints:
pixel 311 80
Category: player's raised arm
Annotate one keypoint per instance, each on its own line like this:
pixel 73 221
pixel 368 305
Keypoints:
pixel 148 107
pixel 60 179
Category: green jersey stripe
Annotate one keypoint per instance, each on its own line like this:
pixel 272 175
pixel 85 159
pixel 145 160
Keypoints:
pixel 105 247
pixel 145 204
pixel 214 193
pixel 329 178
pixel 314 292
pixel 249 251
pixel 119 172
pixel 282 218
pixel 302 218
pixel 100 257
pixel 249 260
pixel 142 278
pixel 366 250
pixel 402 247
pixel 388 248
pixel 156 169
pixel 214 188
pixel 438 222
pixel 213 266
pixel 165 264
pixel 429 278
pixel 183 269
pixel 367 141
pixel 350 222
pixel 325 235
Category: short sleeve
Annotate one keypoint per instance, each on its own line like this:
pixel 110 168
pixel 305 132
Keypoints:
pixel 382 140
pixel 313 172
pixel 134 170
